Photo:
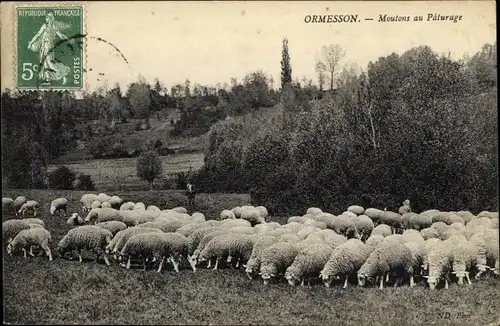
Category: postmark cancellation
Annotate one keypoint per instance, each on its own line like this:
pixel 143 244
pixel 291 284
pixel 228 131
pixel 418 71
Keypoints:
pixel 50 49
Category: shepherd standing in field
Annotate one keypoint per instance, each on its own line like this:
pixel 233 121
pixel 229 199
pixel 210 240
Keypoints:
pixel 190 193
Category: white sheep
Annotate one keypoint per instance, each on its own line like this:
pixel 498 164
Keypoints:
pixel 120 239
pixel 389 257
pixel 382 229
pixel 236 211
pixel 195 238
pixel 86 200
pixel 392 219
pixel 227 246
pixel 18 203
pixel 308 263
pixel 25 239
pixel 98 215
pixel 466 216
pixel 127 206
pixel 253 215
pixel 428 245
pixel 188 229
pixel 140 206
pixel 58 205
pixel 263 212
pixel 32 220
pixel 8 205
pixel 153 208
pixel 275 259
pixel 439 260
pixel 197 217
pixel 253 265
pixel 405 208
pixel 75 220
pixel 95 204
pixel 487 243
pixel 364 225
pixel 374 241
pixel 106 204
pixel 115 202
pixel 103 197
pixel 465 255
pixel 227 214
pixel 374 214
pixel 112 226
pixel 181 210
pixel 348 214
pixel 11 228
pixel 88 237
pixel 356 209
pixel 30 205
pixel 314 211
pixel 345 226
pixel 429 233
pixel 345 260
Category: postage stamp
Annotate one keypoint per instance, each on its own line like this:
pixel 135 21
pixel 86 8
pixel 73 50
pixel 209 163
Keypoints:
pixel 49 47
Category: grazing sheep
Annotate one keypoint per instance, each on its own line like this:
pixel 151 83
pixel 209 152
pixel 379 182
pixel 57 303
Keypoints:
pixel 18 203
pixel 127 206
pixel 98 215
pixel 314 211
pixel 105 204
pixel 115 202
pixel 227 246
pixel 348 214
pixel 32 220
pixel 488 214
pixel 345 260
pixel 30 205
pixel 439 260
pixel 8 205
pixel 75 220
pixel 263 212
pixel 140 206
pixel 275 259
pixel 374 214
pixel 374 241
pixel 58 205
pixel 195 238
pixel 227 214
pixel 171 226
pixel 487 243
pixel 253 265
pixel 153 208
pixel 466 216
pixel 253 215
pixel 240 248
pixel 198 217
pixel 103 198
pixel 121 238
pixel 464 255
pixel 429 233
pixel 388 257
pixel 11 228
pixel 88 237
pixel 308 230
pixel 417 256
pixel 112 226
pixel 227 224
pixel 236 211
pixel 392 219
pixel 188 229
pixel 355 209
pixel 382 229
pixel 25 239
pixel 87 201
pixel 441 228
pixel 420 221
pixel 345 226
pixel 95 204
pixel 364 225
pixel 308 263
pixel 405 208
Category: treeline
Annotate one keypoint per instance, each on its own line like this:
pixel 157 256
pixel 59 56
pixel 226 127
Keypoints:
pixel 418 126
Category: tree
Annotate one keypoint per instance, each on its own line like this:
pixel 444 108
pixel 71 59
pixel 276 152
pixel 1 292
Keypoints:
pixel 286 68
pixel 149 167
pixel 139 96
pixel 187 88
pixel 328 59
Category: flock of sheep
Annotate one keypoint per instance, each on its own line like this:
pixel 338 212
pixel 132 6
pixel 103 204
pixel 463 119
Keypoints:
pixel 370 245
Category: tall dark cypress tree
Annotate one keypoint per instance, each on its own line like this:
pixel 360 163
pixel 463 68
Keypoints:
pixel 286 68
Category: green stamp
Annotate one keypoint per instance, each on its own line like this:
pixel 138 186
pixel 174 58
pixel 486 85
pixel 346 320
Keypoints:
pixel 50 47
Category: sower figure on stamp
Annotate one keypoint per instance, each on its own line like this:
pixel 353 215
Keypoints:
pixel 43 43
pixel 190 193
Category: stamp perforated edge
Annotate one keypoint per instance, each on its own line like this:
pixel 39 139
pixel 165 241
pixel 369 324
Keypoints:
pixel 84 54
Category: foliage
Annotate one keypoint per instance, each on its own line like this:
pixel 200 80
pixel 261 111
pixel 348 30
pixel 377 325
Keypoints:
pixel 83 182
pixel 405 128
pixel 61 178
pixel 327 62
pixel 149 167
pixel 286 68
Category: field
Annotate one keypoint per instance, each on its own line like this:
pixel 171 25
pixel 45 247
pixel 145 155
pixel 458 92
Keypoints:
pixel 121 173
pixel 37 291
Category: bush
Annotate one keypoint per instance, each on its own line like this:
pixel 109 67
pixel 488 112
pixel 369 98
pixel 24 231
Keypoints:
pixel 98 147
pixel 149 167
pixel 61 178
pixel 83 182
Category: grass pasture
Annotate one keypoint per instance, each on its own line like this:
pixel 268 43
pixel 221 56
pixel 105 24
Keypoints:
pixel 121 173
pixel 37 291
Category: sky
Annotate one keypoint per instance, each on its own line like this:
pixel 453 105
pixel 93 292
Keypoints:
pixel 211 42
